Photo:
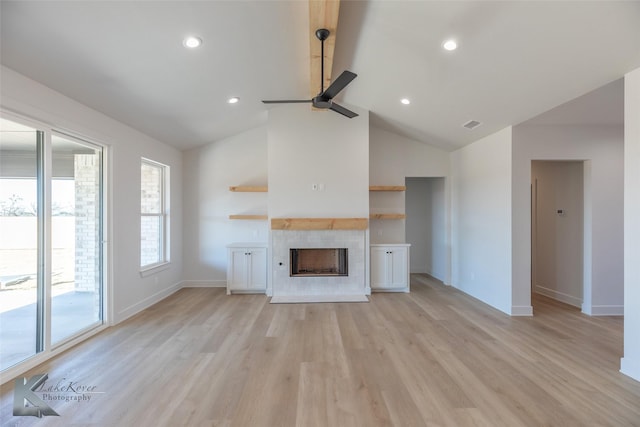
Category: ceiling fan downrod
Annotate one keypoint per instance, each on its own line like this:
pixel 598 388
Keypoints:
pixel 322 34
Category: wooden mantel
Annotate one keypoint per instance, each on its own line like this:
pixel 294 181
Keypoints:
pixel 319 223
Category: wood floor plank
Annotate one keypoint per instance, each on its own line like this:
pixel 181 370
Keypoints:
pixel 433 357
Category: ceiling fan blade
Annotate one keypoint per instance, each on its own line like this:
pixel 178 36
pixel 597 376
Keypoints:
pixel 286 101
pixel 340 109
pixel 338 84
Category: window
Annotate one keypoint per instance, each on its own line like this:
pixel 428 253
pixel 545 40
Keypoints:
pixel 154 219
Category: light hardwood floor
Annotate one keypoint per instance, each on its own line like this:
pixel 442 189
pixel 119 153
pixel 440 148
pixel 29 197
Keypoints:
pixel 434 357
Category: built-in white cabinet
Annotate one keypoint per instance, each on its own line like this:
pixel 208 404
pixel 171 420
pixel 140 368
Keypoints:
pixel 390 267
pixel 247 268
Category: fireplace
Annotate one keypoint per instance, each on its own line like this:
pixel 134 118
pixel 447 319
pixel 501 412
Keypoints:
pixel 314 262
pixel 283 284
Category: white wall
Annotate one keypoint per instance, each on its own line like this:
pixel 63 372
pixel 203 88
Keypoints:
pixel 307 147
pixel 209 172
pixel 481 220
pixel 601 147
pixel 426 226
pixel 392 158
pixel 557 238
pixel 130 292
pixel 630 364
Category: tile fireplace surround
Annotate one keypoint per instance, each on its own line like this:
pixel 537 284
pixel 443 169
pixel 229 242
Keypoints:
pixel 354 284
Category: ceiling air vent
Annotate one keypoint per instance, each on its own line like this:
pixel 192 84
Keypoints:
pixel 471 124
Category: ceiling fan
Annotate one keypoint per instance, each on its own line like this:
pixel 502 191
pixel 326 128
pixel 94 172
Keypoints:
pixel 324 99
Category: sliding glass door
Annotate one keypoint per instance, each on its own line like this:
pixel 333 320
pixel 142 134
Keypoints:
pixel 20 245
pixel 51 226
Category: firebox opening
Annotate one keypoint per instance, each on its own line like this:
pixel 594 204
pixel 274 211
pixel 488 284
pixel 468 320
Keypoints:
pixel 319 262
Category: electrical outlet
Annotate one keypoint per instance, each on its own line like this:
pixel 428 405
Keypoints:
pixel 314 187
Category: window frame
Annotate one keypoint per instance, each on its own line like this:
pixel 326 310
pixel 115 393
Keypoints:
pixel 163 216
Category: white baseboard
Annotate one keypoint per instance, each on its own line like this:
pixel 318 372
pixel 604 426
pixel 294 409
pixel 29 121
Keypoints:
pixel 291 299
pixel 630 368
pixel 603 310
pixel 559 296
pixel 204 283
pixel 146 303
pixel 521 310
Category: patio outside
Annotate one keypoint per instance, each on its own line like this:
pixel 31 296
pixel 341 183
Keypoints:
pixel 75 275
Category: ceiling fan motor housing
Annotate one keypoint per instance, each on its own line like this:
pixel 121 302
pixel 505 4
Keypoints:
pixel 320 102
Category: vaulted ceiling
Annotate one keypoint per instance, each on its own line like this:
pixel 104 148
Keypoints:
pixel 515 60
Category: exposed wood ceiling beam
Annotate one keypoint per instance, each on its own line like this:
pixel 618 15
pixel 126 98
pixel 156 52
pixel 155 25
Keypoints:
pixel 322 14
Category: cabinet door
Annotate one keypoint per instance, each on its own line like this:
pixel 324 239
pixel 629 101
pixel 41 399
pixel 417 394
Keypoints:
pixel 379 261
pixel 237 274
pixel 257 268
pixel 398 274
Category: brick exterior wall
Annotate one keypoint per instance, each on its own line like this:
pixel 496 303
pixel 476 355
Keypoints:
pixel 87 226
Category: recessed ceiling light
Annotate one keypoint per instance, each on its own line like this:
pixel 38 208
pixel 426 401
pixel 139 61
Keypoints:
pixel 192 42
pixel 405 101
pixel 450 45
pixel 233 100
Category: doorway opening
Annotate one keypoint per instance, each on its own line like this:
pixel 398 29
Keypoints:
pixel 425 227
pixel 557 232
